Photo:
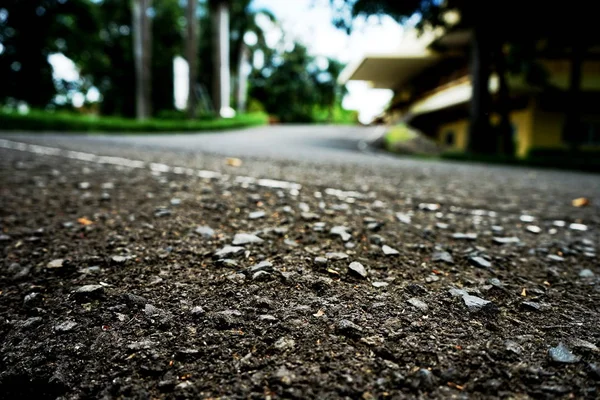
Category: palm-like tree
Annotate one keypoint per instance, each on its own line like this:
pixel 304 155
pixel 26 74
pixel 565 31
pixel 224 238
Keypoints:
pixel 142 48
pixel 243 20
pixel 219 10
pixel 191 53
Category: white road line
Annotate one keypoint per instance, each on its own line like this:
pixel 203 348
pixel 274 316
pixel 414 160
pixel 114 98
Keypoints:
pixel 293 187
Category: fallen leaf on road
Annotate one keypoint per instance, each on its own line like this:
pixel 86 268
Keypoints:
pixel 455 386
pixel 233 162
pixel 580 202
pixel 84 221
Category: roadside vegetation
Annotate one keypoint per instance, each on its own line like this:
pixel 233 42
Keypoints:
pixel 40 121
pixel 402 140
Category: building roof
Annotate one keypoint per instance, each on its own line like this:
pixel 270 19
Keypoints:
pixel 458 92
pixel 389 71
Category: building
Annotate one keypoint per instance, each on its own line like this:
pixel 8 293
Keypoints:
pixel 432 89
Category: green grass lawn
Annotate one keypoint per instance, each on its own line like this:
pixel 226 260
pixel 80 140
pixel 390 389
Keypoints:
pixel 398 134
pixel 41 121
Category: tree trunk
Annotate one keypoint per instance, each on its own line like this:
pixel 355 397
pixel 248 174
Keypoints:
pixel 572 130
pixel 480 139
pixel 142 52
pixel 147 31
pixel 504 129
pixel 221 88
pixel 241 92
pixel 191 53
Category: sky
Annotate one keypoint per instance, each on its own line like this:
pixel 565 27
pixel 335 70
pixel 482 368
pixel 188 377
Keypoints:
pixel 310 22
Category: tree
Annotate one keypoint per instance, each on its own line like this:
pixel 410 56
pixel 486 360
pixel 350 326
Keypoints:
pixel 108 62
pixel 32 30
pixel 167 43
pixel 191 52
pixel 293 87
pixel 330 91
pixel 243 20
pixel 219 10
pixel 142 45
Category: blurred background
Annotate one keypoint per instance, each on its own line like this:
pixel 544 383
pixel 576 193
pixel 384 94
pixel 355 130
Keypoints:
pixel 456 78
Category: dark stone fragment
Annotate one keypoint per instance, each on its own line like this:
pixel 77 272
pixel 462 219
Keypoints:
pixel 348 328
pixel 416 289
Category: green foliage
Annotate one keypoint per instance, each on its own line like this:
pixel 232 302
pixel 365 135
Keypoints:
pixel 242 19
pixel 336 115
pixel 96 35
pixel 398 134
pixel 29 32
pixel 68 122
pixel 181 115
pixel 293 87
pixel 110 63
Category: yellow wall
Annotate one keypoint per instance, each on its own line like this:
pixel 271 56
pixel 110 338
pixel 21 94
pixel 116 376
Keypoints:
pixel 522 120
pixel 460 129
pixel 547 129
pixel 560 71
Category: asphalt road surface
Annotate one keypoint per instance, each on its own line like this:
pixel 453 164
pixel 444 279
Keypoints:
pixel 336 156
pixel 122 276
pixel 296 142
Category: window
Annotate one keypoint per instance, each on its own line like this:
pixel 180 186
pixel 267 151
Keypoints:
pixel 449 138
pixel 590 133
pixel 587 133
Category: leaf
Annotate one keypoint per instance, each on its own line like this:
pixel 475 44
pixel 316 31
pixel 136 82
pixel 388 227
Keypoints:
pixel 580 202
pixel 233 162
pixel 84 221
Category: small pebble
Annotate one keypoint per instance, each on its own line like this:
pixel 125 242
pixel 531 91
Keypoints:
pixel 320 261
pixel 562 354
pixel 442 256
pixel 358 269
pixel 380 284
pixel 245 238
pixel 464 236
pixel 418 304
pixel 480 262
pixel 506 240
pixel 227 250
pixel 586 273
pixel 336 256
pixel 388 251
pixel 256 215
